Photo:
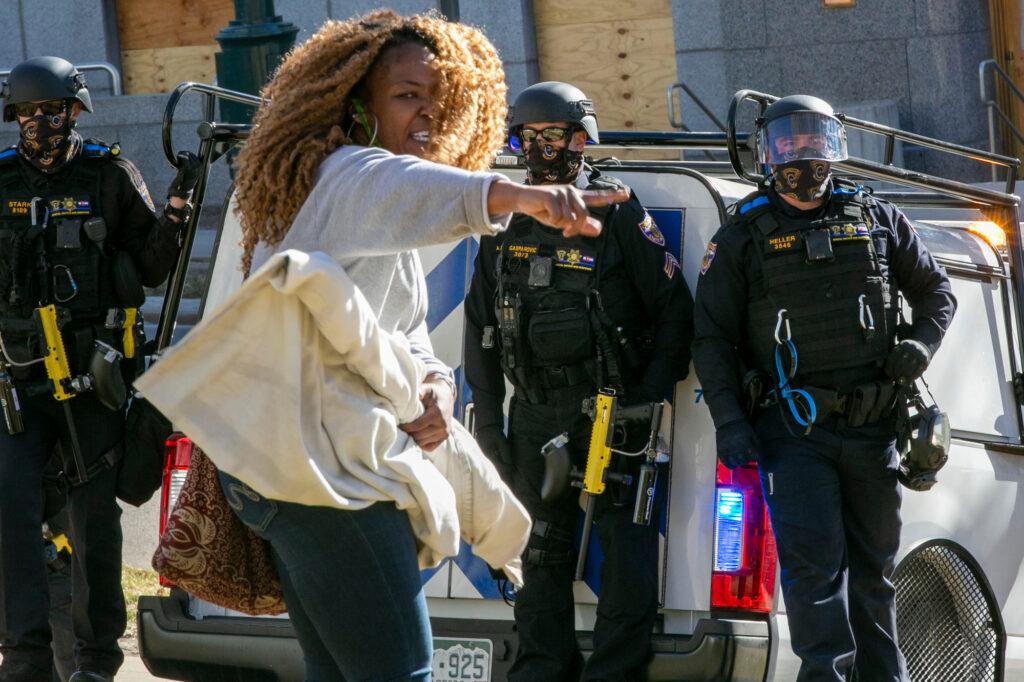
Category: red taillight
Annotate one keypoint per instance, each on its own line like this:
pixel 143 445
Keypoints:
pixel 743 575
pixel 177 455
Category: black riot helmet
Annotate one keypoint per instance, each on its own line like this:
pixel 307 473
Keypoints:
pixel 800 127
pixel 44 78
pixel 553 101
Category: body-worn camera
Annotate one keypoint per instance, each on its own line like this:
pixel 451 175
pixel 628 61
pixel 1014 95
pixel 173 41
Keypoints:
pixel 540 271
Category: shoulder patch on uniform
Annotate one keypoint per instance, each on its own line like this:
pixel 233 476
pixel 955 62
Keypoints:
pixel 709 256
pixel 136 177
pixel 671 265
pixel 649 228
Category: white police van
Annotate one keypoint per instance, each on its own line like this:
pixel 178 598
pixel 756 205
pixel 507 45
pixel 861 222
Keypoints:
pixel 959 572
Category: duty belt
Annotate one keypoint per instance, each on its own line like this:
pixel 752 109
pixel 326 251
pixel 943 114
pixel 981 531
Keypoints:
pixel 865 404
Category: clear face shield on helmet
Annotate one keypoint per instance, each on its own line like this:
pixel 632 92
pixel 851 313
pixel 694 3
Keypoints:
pixel 801 135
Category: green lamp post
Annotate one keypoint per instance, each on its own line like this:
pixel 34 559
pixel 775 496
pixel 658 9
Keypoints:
pixel 252 45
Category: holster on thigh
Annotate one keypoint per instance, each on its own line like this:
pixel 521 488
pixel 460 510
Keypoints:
pixel 550 544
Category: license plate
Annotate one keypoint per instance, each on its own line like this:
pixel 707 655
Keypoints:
pixel 458 660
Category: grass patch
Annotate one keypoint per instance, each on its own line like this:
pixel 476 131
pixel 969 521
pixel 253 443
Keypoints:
pixel 136 582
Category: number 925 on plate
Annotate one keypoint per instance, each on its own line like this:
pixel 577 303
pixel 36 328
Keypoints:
pixel 459 660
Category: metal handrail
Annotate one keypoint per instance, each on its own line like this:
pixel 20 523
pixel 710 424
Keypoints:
pixel 993 106
pixel 115 74
pixel 696 100
pixel 213 93
pixel 672 121
pixel 210 134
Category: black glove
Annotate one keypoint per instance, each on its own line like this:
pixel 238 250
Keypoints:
pixel 737 443
pixel 907 361
pixel 185 181
pixel 495 446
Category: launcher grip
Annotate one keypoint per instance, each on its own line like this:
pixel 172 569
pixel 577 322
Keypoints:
pixel 56 359
pixel 599 454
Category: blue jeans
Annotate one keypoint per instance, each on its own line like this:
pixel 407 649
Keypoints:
pixel 351 583
pixel 834 501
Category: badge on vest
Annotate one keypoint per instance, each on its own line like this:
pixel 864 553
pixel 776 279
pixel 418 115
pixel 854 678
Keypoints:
pixel 61 207
pixel 573 259
pixel 850 232
pixel 709 255
pixel 783 242
pixel 650 230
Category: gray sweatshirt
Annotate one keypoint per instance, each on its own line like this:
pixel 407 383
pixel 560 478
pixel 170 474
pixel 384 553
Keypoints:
pixel 370 210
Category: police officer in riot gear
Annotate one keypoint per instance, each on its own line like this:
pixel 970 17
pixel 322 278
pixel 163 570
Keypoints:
pixel 78 233
pixel 561 318
pixel 799 295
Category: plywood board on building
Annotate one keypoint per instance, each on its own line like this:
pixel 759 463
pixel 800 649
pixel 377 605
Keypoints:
pixel 561 12
pixel 624 66
pixel 160 70
pixel 151 24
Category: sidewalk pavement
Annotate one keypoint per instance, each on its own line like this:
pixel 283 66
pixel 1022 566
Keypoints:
pixel 134 670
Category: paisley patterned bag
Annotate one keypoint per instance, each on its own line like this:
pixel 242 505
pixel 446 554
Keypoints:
pixel 206 550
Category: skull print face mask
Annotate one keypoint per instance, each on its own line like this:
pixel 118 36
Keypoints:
pixel 549 165
pixel 804 179
pixel 48 142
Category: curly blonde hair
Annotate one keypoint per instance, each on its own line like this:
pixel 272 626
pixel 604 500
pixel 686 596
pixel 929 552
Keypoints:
pixel 305 117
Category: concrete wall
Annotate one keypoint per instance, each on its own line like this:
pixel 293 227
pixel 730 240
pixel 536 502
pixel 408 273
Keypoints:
pixel 921 55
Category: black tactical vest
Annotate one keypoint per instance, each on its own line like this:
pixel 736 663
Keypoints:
pixel 547 282
pixel 75 262
pixel 53 261
pixel 827 277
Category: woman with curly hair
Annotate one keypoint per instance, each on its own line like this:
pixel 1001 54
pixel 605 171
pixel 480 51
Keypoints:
pixel 373 143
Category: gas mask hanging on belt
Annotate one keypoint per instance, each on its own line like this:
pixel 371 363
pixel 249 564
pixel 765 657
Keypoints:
pixel 923 443
pixel 547 165
pixel 805 179
pixel 48 142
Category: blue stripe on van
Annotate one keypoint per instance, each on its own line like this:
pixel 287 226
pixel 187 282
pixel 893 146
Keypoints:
pixel 448 282
pixel 478 573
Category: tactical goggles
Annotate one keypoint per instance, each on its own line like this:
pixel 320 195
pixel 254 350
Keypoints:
pixel 49 108
pixel 549 134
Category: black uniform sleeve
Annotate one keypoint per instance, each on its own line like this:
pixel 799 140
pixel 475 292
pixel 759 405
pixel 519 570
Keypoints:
pixel 483 365
pixel 720 312
pixel 152 243
pixel 656 276
pixel 922 281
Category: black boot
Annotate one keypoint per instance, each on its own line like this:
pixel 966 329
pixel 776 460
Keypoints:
pixel 23 671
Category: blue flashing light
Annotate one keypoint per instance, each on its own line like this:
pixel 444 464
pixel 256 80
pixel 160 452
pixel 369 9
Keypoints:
pixel 728 530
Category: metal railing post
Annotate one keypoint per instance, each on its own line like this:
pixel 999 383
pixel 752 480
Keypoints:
pixel 993 106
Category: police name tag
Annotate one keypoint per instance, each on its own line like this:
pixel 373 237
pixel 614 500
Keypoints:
pixel 459 660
